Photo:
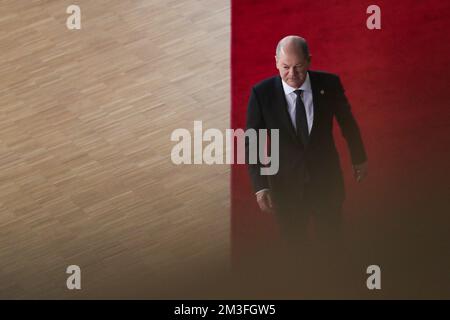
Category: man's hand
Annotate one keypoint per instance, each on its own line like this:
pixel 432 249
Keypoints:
pixel 265 201
pixel 360 171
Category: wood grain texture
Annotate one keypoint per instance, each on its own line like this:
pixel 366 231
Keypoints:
pixel 85 171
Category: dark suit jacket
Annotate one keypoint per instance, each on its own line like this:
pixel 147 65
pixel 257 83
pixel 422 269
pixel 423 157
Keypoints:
pixel 315 166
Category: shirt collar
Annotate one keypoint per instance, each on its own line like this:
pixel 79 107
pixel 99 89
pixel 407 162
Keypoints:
pixel 306 86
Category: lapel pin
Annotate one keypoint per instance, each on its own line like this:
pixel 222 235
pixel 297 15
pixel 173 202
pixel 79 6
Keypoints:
pixel 322 91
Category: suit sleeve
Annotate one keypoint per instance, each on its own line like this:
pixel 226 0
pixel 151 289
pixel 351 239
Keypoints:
pixel 255 121
pixel 349 127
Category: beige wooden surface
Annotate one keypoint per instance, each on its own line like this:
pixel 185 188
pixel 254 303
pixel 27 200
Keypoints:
pixel 85 171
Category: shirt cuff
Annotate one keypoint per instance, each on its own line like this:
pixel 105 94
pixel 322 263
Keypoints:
pixel 260 191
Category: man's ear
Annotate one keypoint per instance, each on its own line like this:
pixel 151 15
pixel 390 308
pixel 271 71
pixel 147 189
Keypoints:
pixel 276 62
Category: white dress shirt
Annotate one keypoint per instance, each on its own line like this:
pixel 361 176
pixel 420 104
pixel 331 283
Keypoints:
pixel 291 99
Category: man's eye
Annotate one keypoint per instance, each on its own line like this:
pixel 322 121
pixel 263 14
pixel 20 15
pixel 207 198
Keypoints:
pixel 286 68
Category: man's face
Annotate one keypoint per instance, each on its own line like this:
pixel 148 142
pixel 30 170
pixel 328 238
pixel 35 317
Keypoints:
pixel 292 66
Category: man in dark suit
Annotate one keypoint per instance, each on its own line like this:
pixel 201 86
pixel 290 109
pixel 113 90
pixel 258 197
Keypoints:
pixel 302 104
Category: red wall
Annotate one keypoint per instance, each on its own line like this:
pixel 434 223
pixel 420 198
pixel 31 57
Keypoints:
pixel 397 80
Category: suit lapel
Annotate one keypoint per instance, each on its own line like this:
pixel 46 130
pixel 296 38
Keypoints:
pixel 317 101
pixel 280 100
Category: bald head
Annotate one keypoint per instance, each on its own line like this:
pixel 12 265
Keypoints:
pixel 292 60
pixel 292 44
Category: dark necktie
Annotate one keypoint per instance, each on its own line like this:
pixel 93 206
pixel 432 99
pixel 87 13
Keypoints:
pixel 300 118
